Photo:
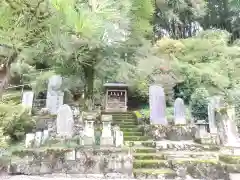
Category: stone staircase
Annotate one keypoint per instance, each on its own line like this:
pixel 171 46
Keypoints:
pixel 147 163
pixel 129 125
pixel 172 159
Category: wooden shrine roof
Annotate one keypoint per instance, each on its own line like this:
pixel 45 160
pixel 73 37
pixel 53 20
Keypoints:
pixel 122 85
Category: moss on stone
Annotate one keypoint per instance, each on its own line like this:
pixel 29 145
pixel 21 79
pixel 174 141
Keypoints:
pixel 161 171
pixel 152 163
pixel 134 129
pixel 231 168
pixel 148 156
pixel 229 159
pixel 144 150
pixel 195 161
pixel 149 144
pixel 127 126
pixel 136 138
pixel 132 133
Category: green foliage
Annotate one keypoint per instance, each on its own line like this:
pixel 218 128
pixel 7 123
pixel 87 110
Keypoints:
pixel 15 121
pixel 4 140
pixel 174 16
pixel 199 104
pixel 41 80
pixel 11 97
pixel 205 60
pixel 234 99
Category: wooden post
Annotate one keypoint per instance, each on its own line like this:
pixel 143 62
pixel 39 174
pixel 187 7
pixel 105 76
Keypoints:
pixel 125 100
pixel 106 100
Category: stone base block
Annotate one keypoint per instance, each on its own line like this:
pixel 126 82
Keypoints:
pixel 208 139
pixel 180 133
pixel 88 141
pixel 106 141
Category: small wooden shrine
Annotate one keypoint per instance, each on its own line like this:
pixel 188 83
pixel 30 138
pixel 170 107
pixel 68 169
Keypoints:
pixel 116 97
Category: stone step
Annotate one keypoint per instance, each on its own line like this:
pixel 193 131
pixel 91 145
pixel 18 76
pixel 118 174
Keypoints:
pixel 184 146
pixel 149 143
pixel 127 126
pixel 163 173
pixel 189 154
pixel 151 163
pixel 148 156
pixel 123 115
pixel 124 119
pixel 229 159
pixel 136 138
pixel 132 133
pixel 143 150
pixel 125 123
pixel 118 115
pixel 131 129
pixel 128 112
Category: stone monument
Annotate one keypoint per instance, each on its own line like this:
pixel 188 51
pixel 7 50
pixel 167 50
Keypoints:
pixel 54 94
pixel 231 129
pixel 119 138
pixel 179 112
pixel 27 99
pixel 38 139
pixel 211 116
pixel 45 136
pixel 157 105
pixel 29 141
pixel 65 122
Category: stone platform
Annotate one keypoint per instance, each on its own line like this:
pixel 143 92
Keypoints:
pixel 70 161
pixel 86 177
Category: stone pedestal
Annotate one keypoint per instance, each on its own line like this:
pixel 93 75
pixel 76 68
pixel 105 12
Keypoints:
pixel 71 155
pixel 106 138
pixel 89 136
pixel 106 141
pixel 201 129
pixel 180 132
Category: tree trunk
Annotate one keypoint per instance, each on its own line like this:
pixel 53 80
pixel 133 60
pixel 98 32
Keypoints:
pixel 89 77
pixel 5 80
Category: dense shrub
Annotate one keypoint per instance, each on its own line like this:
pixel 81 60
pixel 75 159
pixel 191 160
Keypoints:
pixel 3 139
pixel 12 97
pixel 199 104
pixel 234 99
pixel 15 121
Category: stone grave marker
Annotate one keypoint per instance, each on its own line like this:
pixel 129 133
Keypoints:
pixel 211 116
pixel 38 138
pixel 29 141
pixel 45 136
pixel 54 94
pixel 179 111
pixel 231 129
pixel 27 99
pixel 65 122
pixel 157 104
pixel 119 138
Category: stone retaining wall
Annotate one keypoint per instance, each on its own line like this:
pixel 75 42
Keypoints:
pixel 70 161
